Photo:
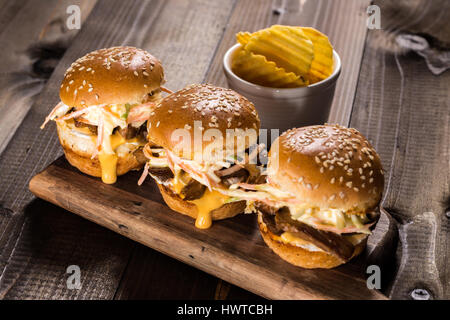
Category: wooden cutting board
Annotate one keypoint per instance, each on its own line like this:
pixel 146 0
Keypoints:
pixel 231 249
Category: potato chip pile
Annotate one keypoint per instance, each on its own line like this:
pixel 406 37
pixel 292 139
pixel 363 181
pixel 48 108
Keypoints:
pixel 283 57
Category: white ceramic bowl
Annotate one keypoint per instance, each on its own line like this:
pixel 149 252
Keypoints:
pixel 286 108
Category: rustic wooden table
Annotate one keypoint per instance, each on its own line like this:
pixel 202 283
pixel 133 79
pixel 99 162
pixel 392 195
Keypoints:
pixel 387 93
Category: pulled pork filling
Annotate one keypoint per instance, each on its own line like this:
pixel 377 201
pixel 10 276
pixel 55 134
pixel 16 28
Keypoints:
pixel 192 189
pixel 128 132
pixel 280 221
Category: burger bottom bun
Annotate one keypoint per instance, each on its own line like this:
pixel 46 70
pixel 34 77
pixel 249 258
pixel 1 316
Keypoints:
pixel 78 151
pixel 91 167
pixel 301 257
pixel 177 204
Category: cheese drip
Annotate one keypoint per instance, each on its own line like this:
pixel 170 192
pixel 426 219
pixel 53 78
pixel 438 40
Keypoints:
pixel 210 201
pixel 108 160
pixel 108 164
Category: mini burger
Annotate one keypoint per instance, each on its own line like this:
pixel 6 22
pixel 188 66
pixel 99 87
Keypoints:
pixel 320 199
pixel 204 136
pixel 106 98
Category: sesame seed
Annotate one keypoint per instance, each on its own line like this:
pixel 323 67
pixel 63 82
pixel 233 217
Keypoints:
pixel 333 180
pixel 349 184
pixel 136 73
pixel 157 124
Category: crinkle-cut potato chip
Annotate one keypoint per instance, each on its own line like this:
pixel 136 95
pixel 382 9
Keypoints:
pixel 256 69
pixel 243 37
pixel 288 47
pixel 322 64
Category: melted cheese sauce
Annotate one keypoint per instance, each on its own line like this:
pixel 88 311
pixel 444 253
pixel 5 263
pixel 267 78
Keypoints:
pixel 210 201
pixel 108 161
pixel 293 240
pixel 178 183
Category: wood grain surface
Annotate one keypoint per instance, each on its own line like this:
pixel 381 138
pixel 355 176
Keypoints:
pixel 398 103
pixel 405 111
pixel 35 43
pixel 231 249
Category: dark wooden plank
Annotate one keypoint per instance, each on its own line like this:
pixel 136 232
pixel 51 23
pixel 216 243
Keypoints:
pixel 343 21
pixel 405 112
pixel 35 43
pixel 231 249
pixel 140 23
pixel 52 240
pixel 153 275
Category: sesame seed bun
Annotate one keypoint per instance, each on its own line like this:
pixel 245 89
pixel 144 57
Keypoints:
pixel 177 204
pixel 301 257
pixel 115 75
pixel 216 108
pixel 327 166
pixel 79 149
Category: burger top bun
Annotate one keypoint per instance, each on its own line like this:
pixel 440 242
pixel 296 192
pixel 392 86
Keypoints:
pixel 202 110
pixel 327 166
pixel 115 75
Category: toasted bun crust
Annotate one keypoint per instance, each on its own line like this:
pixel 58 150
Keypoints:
pixel 327 166
pixel 215 108
pixel 111 76
pixel 301 257
pixel 79 150
pixel 177 204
